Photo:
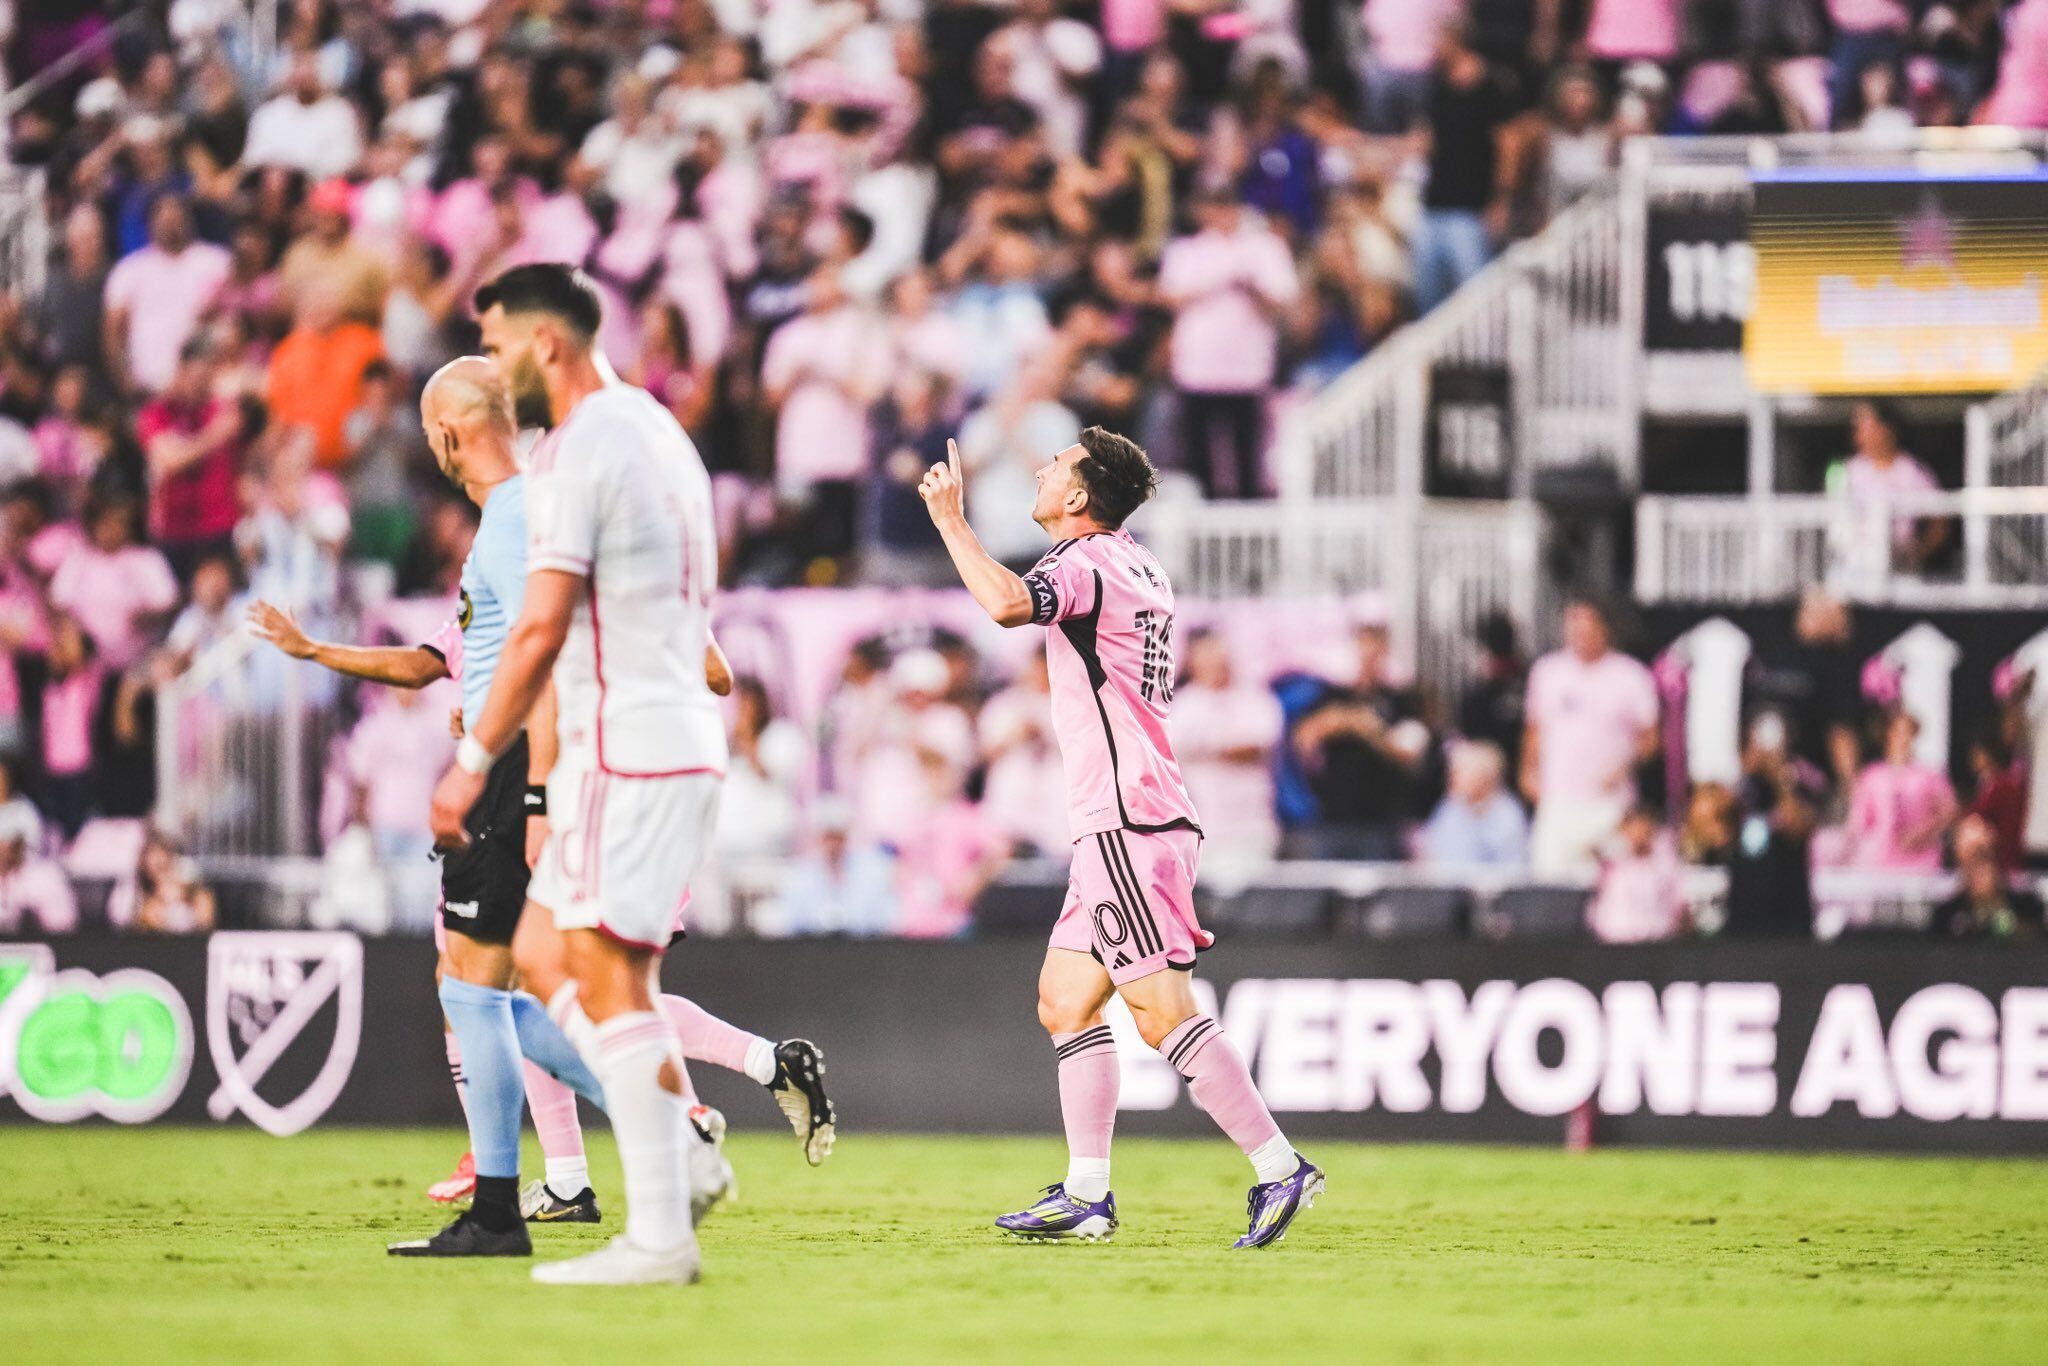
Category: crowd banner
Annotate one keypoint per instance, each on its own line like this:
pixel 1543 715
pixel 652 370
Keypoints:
pixel 1905 1045
pixel 1870 283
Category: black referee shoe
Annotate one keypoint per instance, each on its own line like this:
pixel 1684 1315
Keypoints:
pixel 799 1090
pixel 468 1238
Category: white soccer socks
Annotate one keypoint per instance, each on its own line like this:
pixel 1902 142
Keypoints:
pixel 649 1121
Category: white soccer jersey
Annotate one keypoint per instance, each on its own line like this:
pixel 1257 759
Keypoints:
pixel 618 495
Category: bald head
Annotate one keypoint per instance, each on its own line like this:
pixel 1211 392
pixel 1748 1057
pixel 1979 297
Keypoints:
pixel 467 386
pixel 467 413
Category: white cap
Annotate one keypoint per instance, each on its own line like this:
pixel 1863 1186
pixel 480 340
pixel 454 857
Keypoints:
pixel 658 63
pixel 920 671
pixel 831 814
pixel 99 98
pixel 18 822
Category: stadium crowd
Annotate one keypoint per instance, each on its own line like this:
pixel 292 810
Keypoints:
pixel 831 236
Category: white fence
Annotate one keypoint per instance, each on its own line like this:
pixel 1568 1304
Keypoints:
pixel 1438 567
pixel 1548 315
pixel 2005 440
pixel 241 747
pixel 1558 320
pixel 24 232
pixel 1739 550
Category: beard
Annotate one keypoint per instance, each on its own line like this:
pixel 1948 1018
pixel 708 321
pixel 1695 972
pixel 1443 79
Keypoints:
pixel 529 393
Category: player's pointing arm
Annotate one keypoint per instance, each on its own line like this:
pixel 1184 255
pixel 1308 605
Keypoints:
pixel 1001 593
pixel 408 666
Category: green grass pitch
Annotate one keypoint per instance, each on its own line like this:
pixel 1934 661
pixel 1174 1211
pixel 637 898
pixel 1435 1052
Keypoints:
pixel 165 1245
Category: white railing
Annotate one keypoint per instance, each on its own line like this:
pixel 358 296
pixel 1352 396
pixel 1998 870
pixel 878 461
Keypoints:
pixel 1439 567
pixel 1737 550
pixel 2005 439
pixel 1558 321
pixel 1546 316
pixel 240 749
pixel 24 232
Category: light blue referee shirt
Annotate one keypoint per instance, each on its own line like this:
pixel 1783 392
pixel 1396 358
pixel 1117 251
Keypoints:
pixel 493 591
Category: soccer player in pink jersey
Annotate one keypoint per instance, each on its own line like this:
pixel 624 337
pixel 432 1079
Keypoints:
pixel 1128 926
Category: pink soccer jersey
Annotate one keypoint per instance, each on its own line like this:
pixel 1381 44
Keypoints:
pixel 1109 650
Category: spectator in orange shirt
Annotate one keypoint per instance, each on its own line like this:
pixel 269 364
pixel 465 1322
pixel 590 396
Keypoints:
pixel 316 373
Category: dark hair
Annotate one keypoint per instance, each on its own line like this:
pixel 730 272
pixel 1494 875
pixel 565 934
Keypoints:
pixel 1886 413
pixel 859 228
pixel 1593 603
pixel 1117 474
pixel 1496 635
pixel 548 287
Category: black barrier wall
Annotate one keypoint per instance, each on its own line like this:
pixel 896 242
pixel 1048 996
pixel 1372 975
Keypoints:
pixel 1885 1046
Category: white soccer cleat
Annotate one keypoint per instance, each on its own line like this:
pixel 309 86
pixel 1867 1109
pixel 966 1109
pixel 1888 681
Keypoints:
pixel 620 1262
pixel 708 1122
pixel 711 1177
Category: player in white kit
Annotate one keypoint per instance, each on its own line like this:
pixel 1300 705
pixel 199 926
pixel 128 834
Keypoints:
pixel 621 570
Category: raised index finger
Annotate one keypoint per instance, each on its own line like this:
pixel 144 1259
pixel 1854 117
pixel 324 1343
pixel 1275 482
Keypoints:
pixel 953 456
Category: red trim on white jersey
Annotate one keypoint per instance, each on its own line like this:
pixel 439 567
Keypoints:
pixel 617 938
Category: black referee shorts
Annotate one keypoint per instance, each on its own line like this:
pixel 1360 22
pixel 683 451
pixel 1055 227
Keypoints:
pixel 483 884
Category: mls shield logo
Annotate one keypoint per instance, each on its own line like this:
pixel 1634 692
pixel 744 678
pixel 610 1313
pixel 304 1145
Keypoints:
pixel 262 992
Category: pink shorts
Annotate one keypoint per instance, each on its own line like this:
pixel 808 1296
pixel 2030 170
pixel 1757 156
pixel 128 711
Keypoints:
pixel 1131 902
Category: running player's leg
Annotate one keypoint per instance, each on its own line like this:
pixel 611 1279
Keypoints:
pixel 1072 989
pixel 563 1193
pixel 1148 933
pixel 793 1071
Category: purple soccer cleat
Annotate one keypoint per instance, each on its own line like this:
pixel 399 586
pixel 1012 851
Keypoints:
pixel 1273 1204
pixel 1060 1215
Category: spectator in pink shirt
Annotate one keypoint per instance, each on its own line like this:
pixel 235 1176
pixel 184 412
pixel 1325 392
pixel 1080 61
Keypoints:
pixel 1024 793
pixel 1633 30
pixel 1639 895
pixel 947 858
pixel 1867 33
pixel 1592 717
pixel 68 451
pixel 35 896
pixel 822 370
pixel 894 796
pixel 1901 810
pixel 157 296
pixel 193 439
pixel 1879 470
pixel 24 629
pixel 119 590
pixel 390 761
pixel 1401 38
pixel 71 706
pixel 2020 97
pixel 1228 284
pixel 1224 731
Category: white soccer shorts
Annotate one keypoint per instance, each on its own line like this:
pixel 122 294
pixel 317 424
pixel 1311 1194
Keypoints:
pixel 621 851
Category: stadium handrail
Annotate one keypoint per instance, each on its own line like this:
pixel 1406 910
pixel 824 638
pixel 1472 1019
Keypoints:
pixel 1737 549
